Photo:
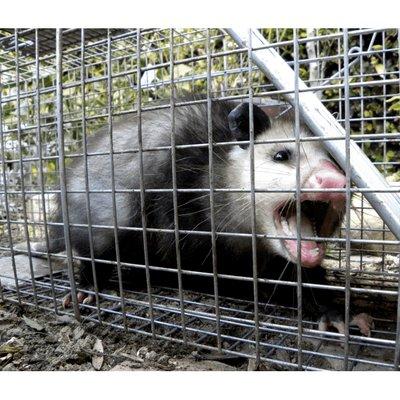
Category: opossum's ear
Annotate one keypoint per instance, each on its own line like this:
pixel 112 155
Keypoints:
pixel 238 120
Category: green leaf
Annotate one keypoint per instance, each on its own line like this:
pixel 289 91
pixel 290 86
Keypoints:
pixel 379 68
pixel 395 107
pixel 394 98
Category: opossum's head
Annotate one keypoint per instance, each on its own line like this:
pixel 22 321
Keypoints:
pixel 275 169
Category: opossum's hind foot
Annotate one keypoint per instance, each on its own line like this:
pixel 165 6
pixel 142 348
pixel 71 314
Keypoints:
pixel 82 297
pixel 333 319
pixel 364 322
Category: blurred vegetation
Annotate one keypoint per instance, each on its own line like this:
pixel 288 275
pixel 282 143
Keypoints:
pixel 374 107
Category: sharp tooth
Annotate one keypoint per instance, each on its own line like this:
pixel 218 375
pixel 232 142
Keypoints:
pixel 285 227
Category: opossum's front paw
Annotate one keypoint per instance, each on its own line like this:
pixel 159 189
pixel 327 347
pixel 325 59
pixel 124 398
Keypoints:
pixel 82 297
pixel 333 319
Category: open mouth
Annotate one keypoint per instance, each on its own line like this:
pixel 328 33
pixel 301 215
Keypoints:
pixel 318 219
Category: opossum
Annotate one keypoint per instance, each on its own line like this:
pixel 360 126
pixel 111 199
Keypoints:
pixel 275 212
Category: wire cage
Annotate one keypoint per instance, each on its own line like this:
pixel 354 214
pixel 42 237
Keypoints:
pixel 59 87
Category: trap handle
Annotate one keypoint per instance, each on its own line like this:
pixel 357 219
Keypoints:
pixel 322 123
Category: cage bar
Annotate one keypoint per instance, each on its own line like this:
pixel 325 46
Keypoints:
pixel 321 122
pixel 58 88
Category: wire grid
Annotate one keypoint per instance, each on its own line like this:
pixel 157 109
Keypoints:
pixel 98 78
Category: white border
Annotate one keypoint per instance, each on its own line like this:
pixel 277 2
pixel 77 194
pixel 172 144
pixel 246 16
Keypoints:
pixel 201 13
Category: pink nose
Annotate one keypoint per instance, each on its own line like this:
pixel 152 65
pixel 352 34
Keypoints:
pixel 326 176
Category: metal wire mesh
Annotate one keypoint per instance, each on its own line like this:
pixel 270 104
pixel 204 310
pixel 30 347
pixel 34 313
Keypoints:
pixel 59 87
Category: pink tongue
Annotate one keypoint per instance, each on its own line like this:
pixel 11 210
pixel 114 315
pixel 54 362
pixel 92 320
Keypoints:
pixel 312 253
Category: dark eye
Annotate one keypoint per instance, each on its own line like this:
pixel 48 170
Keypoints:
pixel 283 155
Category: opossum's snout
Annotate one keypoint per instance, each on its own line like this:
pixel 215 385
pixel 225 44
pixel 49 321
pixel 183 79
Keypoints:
pixel 326 176
pixel 321 213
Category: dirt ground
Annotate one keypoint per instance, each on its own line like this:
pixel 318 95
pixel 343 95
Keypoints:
pixel 31 340
pixel 36 340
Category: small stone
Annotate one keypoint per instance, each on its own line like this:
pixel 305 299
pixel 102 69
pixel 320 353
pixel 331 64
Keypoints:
pixel 360 366
pixel 282 355
pixel 51 339
pixel 187 364
pixel 65 334
pixel 126 366
pixel 13 345
pixel 151 356
pixel 9 367
pixel 164 359
pixel 141 353
pixel 5 327
pixel 92 325
pixel 78 332
pixel 252 365
pixel 33 324
pixel 65 320
pixel 15 332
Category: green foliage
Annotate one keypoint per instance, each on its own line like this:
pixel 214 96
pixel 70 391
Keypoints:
pixel 374 108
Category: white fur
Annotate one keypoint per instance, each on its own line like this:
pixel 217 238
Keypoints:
pixel 270 175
